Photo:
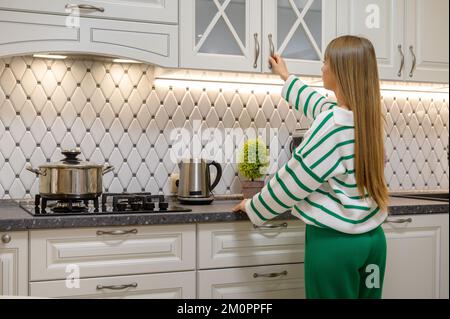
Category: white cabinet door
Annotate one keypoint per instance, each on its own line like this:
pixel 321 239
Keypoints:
pixel 381 21
pixel 165 11
pixel 220 35
pixel 179 285
pixel 427 32
pixel 267 282
pixel 299 31
pixel 417 257
pixel 14 263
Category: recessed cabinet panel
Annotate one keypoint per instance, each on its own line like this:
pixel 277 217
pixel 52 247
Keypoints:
pixel 179 285
pixel 380 21
pixel 14 263
pixel 427 46
pixel 97 253
pixel 154 43
pixel 139 10
pixel 29 33
pixel 417 257
pixel 268 282
pixel 240 244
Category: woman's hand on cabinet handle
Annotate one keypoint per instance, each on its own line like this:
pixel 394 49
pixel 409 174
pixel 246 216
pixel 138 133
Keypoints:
pixel 279 66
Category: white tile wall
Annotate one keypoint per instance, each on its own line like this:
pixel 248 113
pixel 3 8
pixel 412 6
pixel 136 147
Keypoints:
pixel 115 113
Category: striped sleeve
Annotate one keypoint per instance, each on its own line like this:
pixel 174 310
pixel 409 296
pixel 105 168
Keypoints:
pixel 305 99
pixel 304 173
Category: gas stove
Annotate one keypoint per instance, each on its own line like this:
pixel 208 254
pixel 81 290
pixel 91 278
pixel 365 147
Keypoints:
pixel 108 203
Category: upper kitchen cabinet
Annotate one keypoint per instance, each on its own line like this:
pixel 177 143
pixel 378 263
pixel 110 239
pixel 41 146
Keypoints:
pixel 221 35
pixel 27 32
pixel 299 31
pixel 410 36
pixel 230 34
pixel 427 32
pixel 161 11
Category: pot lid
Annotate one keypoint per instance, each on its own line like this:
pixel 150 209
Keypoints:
pixel 71 160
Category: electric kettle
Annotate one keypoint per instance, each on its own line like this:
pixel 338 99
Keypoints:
pixel 194 184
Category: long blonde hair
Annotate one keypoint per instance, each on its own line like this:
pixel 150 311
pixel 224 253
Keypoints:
pixel 353 62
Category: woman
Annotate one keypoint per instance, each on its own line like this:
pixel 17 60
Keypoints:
pixel 335 179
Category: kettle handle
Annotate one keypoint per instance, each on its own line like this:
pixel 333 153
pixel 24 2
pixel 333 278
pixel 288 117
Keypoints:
pixel 218 176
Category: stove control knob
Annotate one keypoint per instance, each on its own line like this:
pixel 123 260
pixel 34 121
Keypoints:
pixel 163 205
pixel 149 206
pixel 121 206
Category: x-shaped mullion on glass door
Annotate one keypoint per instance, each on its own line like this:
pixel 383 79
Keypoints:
pixel 300 20
pixel 220 13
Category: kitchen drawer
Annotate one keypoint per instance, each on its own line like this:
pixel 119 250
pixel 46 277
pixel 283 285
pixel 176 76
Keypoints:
pixel 241 244
pixel 266 282
pixel 143 10
pixel 147 249
pixel 179 285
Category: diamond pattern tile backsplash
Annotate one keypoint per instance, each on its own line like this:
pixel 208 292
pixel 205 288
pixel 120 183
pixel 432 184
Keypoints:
pixel 117 113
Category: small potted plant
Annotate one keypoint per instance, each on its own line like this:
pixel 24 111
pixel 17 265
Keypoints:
pixel 253 162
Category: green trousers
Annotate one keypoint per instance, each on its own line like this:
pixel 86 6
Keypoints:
pixel 344 266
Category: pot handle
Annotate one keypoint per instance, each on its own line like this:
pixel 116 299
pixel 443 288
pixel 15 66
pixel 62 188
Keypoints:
pixel 218 176
pixel 107 169
pixel 36 171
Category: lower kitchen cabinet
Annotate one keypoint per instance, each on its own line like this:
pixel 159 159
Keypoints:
pixel 178 285
pixel 417 257
pixel 265 282
pixel 14 263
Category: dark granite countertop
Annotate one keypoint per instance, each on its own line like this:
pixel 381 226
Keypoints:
pixel 13 217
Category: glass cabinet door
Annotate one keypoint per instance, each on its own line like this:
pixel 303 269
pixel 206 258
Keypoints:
pixel 221 34
pixel 299 31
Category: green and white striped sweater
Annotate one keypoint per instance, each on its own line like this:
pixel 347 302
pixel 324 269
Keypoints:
pixel 318 183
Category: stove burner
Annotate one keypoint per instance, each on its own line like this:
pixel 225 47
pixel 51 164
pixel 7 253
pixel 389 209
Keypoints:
pixel 63 205
pixel 111 203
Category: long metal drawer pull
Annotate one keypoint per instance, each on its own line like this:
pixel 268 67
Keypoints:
pixel 117 287
pixel 257 51
pixel 402 63
pixel 284 225
pixel 116 232
pixel 413 67
pixel 71 6
pixel 399 221
pixel 271 275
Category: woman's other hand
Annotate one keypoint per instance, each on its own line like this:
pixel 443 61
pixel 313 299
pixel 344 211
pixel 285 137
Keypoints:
pixel 240 207
pixel 279 66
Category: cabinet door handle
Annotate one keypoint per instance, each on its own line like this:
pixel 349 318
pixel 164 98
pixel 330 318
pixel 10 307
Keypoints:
pixel 271 275
pixel 272 48
pixel 399 221
pixel 413 67
pixel 117 232
pixel 284 225
pixel 6 239
pixel 117 287
pixel 402 63
pixel 257 51
pixel 71 6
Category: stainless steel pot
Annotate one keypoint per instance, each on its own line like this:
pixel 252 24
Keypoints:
pixel 71 178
